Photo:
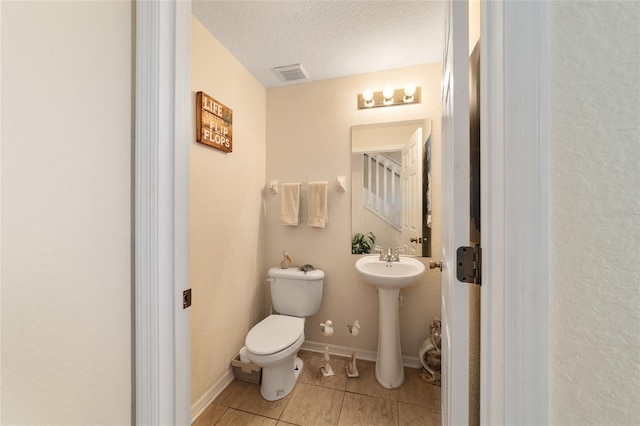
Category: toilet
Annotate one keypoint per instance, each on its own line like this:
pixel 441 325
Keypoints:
pixel 274 342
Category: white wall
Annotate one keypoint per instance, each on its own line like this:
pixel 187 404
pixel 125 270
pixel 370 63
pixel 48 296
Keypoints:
pixel 594 322
pixel 66 212
pixel 226 215
pixel 308 138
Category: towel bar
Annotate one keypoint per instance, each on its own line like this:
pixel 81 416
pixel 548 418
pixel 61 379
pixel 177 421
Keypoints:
pixel 341 185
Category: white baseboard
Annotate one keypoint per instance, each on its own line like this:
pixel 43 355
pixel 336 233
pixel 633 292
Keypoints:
pixel 407 361
pixel 212 393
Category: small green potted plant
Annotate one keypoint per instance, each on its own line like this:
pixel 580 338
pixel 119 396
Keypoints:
pixel 362 243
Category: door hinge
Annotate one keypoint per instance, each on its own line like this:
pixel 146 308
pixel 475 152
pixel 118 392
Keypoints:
pixel 186 298
pixel 469 261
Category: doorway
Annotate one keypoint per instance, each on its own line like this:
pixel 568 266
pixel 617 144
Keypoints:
pixel 504 338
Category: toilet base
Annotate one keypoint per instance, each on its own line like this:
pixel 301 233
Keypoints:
pixel 278 379
pixel 298 367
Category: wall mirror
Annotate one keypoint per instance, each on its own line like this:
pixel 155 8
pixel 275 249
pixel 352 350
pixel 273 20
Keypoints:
pixel 391 195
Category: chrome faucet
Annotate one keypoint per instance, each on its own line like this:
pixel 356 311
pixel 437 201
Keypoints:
pixel 389 256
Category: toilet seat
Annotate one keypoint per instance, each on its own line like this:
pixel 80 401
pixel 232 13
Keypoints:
pixel 273 334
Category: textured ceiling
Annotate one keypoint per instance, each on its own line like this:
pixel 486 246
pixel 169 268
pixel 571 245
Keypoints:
pixel 328 38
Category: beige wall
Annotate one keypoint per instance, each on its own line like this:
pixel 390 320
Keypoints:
pixel 226 215
pixel 474 23
pixel 594 319
pixel 66 212
pixel 308 138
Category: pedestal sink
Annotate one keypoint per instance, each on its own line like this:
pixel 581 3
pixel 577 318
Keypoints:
pixel 389 277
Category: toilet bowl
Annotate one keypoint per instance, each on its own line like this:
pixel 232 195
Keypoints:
pixel 273 345
pixel 274 342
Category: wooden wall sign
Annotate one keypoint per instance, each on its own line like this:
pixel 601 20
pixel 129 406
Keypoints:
pixel 214 123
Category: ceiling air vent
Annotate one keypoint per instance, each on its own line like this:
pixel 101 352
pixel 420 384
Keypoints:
pixel 291 73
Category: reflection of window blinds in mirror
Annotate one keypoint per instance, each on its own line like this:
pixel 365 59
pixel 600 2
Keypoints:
pixel 381 187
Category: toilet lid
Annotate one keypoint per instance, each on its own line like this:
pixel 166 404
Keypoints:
pixel 273 334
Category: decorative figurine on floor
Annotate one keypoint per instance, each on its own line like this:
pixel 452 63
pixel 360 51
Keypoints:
pixel 352 368
pixel 430 353
pixel 327 330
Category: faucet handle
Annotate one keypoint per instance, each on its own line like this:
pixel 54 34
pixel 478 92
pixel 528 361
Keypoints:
pixel 378 249
pixel 396 253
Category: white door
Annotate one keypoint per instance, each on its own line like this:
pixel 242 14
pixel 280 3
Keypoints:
pixel 455 214
pixel 412 193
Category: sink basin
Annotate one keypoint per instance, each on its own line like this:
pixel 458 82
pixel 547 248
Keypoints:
pixel 390 275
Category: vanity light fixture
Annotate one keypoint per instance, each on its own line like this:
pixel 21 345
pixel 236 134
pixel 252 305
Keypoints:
pixel 410 94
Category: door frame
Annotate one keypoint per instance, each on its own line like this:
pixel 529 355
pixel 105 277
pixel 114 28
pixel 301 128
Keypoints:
pixel 515 213
pixel 515 210
pixel 162 361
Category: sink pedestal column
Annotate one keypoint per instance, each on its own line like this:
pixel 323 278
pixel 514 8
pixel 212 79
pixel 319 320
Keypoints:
pixel 389 368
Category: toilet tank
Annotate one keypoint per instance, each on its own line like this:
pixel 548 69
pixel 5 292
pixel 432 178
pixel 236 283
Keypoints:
pixel 294 292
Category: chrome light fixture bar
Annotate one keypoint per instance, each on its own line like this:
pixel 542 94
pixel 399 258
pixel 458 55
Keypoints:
pixel 410 94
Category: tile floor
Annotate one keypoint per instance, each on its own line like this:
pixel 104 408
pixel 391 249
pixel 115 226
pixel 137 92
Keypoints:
pixel 336 400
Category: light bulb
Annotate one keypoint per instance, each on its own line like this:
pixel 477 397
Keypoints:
pixel 388 92
pixel 367 97
pixel 410 89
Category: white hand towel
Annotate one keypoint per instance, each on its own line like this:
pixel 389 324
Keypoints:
pixel 318 211
pixel 290 204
